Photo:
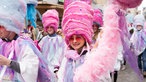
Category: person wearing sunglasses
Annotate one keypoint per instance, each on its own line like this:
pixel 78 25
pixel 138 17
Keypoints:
pixel 52 45
pixel 77 28
pixel 81 62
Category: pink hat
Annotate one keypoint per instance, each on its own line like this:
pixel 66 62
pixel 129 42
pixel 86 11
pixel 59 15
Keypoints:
pixel 78 19
pixel 98 17
pixel 128 3
pixel 50 18
pixel 67 2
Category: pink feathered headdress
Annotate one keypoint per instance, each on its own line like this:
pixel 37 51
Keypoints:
pixel 50 18
pixel 98 17
pixel 78 19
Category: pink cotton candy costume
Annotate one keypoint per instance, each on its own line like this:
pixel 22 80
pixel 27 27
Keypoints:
pixel 77 19
pixel 23 50
pixel 50 18
pixel 52 46
pixel 100 61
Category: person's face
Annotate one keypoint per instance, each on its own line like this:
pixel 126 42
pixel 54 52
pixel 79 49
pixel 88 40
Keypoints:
pixel 50 30
pixel 94 28
pixel 3 32
pixel 138 27
pixel 76 41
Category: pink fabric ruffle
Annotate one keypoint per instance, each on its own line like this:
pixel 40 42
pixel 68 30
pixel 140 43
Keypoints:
pixel 72 54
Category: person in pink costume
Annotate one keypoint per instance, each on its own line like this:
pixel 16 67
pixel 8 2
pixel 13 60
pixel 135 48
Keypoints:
pixel 96 63
pixel 52 46
pixel 77 28
pixel 97 23
pixel 18 59
pixel 114 35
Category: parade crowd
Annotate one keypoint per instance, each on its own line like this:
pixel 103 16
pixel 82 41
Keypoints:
pixel 87 45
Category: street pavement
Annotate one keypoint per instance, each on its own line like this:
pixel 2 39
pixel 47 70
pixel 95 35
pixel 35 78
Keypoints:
pixel 128 75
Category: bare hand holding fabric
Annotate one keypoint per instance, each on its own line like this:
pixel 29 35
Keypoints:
pixel 4 60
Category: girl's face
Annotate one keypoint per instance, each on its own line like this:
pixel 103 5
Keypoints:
pixel 139 27
pixel 94 28
pixel 4 33
pixel 76 42
pixel 50 30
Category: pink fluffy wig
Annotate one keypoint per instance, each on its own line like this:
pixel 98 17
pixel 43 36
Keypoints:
pixel 97 17
pixel 78 19
pixel 50 18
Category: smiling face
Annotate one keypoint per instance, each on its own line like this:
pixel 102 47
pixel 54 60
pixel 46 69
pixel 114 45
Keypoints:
pixel 50 30
pixel 77 42
pixel 3 32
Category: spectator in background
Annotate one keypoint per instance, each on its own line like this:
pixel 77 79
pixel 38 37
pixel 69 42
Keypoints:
pixel 138 41
pixel 97 23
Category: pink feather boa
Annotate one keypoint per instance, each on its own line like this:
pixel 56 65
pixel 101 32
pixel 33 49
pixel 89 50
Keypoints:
pixel 101 60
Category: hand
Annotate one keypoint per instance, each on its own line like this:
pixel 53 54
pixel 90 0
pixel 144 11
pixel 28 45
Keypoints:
pixel 4 60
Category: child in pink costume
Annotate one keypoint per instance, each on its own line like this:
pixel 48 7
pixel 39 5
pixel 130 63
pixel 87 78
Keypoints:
pixel 52 46
pixel 96 63
pixel 77 28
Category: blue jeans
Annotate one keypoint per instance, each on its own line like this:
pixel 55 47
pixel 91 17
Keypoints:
pixel 144 60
